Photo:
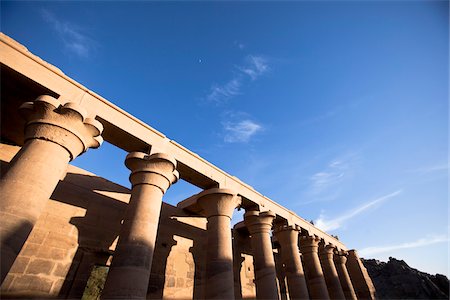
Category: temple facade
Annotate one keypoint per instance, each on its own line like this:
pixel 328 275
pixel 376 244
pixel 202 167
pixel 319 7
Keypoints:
pixel 67 233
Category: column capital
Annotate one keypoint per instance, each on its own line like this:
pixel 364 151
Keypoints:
pixel 218 202
pixel 286 235
pixel 259 222
pixel 326 251
pixel 309 243
pixel 66 125
pixel 340 257
pixel 157 169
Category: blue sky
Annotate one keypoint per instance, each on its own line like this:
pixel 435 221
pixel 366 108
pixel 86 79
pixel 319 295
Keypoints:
pixel 337 110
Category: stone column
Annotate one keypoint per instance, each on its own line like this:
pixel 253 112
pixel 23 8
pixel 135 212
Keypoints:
pixel 218 206
pixel 326 253
pixel 316 281
pixel 259 225
pixel 287 236
pixel 129 274
pixel 362 283
pixel 340 258
pixel 54 135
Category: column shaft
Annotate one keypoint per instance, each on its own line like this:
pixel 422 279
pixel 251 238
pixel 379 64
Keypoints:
pixel 54 135
pixel 26 188
pixel 259 225
pixel 329 270
pixel 314 274
pixel 129 273
pixel 339 260
pixel 290 255
pixel 218 206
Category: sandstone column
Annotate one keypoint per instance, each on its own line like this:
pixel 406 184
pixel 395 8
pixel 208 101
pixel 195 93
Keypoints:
pixel 362 283
pixel 287 236
pixel 340 258
pixel 316 281
pixel 54 135
pixel 329 270
pixel 129 274
pixel 218 206
pixel 259 226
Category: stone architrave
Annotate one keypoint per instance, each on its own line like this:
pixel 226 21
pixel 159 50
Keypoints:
pixel 326 253
pixel 340 258
pixel 129 274
pixel 55 134
pixel 259 225
pixel 315 279
pixel 287 236
pixel 218 206
pixel 362 283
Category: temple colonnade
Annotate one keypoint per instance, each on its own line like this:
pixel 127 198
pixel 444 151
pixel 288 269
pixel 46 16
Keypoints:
pixel 314 269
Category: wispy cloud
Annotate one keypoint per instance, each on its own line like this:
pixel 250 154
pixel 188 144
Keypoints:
pixel 418 243
pixel 252 68
pixel 432 168
pixel 333 174
pixel 240 131
pixel 332 224
pixel 221 93
pixel 70 35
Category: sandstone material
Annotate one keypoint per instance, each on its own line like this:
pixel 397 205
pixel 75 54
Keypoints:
pixel 315 279
pixel 151 176
pixel 218 206
pixel 54 135
pixel 326 253
pixel 340 258
pixel 287 236
pixel 259 225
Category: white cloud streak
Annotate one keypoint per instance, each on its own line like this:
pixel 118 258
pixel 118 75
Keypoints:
pixel 332 175
pixel 333 224
pixel 72 38
pixel 390 248
pixel 240 131
pixel 432 168
pixel 222 93
pixel 253 68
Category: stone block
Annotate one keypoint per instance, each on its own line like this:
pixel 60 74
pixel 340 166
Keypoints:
pixel 52 253
pixel 40 266
pixel 170 281
pixel 37 236
pixel 20 264
pixel 41 284
pixel 180 282
pixel 30 249
pixel 58 240
pixel 61 269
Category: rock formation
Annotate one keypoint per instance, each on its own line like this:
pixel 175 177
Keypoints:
pixel 396 280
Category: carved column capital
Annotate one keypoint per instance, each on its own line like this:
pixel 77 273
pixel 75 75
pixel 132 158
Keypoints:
pixel 326 251
pixel 66 125
pixel 259 222
pixel 286 235
pixel 157 169
pixel 309 244
pixel 218 202
pixel 340 257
